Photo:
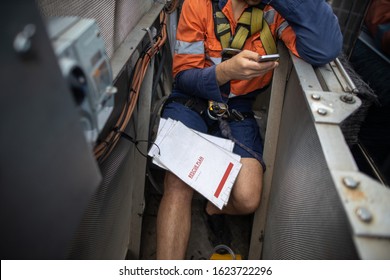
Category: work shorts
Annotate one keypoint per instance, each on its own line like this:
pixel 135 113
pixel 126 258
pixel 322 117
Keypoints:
pixel 245 131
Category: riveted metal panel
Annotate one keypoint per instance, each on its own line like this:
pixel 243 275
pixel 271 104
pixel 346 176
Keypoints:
pixel 306 219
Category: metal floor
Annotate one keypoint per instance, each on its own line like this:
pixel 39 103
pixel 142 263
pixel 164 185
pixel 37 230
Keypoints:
pixel 199 247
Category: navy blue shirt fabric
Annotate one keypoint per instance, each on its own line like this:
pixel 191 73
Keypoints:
pixel 319 39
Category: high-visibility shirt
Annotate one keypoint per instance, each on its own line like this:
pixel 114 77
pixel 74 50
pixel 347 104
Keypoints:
pixel 310 30
pixel 198 47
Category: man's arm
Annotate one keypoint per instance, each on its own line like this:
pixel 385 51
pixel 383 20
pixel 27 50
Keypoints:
pixel 199 82
pixel 191 75
pixel 205 82
pixel 318 36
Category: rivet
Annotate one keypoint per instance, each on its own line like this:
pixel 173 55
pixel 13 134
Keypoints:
pixel 316 97
pixel 350 182
pixel 322 111
pixel 364 214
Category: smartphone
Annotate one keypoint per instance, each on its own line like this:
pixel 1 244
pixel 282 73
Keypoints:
pixel 269 57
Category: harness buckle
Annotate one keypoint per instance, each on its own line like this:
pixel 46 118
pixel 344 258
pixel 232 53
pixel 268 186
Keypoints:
pixel 217 109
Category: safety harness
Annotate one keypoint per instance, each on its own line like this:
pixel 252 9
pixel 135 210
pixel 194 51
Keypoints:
pixel 251 21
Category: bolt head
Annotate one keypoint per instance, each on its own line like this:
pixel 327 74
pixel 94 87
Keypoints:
pixel 322 111
pixel 350 182
pixel 22 44
pixel 316 97
pixel 348 98
pixel 364 214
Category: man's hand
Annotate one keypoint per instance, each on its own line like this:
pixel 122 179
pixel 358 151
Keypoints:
pixel 243 66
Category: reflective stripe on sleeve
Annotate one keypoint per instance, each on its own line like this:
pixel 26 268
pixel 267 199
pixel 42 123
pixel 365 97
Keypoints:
pixel 281 27
pixel 269 16
pixel 215 60
pixel 182 47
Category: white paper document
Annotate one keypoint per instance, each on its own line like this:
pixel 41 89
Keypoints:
pixel 204 162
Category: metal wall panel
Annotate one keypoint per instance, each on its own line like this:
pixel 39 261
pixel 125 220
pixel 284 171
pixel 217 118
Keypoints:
pixel 127 15
pixel 316 204
pixel 305 217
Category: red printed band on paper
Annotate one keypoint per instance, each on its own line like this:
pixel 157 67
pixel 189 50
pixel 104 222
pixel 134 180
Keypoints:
pixel 223 180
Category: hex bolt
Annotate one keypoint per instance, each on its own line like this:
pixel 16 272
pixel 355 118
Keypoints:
pixel 350 182
pixel 316 97
pixel 348 98
pixel 364 214
pixel 322 111
pixel 22 41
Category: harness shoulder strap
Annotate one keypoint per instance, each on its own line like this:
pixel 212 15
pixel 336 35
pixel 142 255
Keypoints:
pixel 250 22
pixel 267 39
pixel 221 25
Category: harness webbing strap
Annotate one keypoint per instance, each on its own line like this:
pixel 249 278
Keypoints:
pixel 222 28
pixel 239 39
pixel 222 22
pixel 268 41
pixel 256 20
pixel 245 18
pixel 251 21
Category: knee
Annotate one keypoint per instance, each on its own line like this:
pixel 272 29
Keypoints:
pixel 247 201
pixel 246 192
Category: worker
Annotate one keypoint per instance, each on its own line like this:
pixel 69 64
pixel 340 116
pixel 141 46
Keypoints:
pixel 307 27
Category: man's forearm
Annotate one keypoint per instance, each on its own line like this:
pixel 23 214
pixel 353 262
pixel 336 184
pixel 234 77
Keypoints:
pixel 222 73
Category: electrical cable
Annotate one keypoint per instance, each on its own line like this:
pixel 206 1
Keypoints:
pixel 104 148
pixel 154 119
pixel 136 142
pixel 158 73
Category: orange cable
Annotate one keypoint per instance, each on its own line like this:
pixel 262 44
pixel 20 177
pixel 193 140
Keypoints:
pixel 104 148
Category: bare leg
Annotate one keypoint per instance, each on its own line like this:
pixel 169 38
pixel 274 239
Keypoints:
pixel 246 193
pixel 174 219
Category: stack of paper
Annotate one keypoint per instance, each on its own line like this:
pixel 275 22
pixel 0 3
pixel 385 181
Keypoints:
pixel 204 162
